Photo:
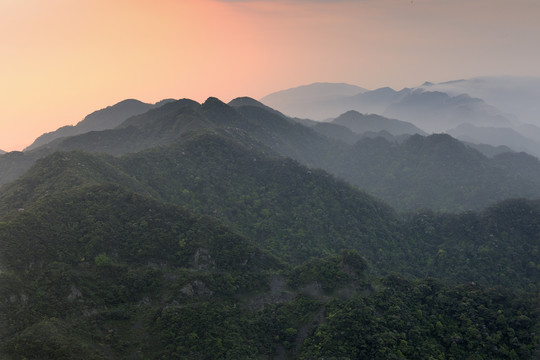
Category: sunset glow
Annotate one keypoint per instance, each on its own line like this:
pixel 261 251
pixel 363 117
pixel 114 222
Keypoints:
pixel 62 59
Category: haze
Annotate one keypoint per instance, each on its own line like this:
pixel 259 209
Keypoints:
pixel 60 59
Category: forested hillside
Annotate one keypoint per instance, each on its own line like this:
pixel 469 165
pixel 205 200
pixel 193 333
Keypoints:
pixel 98 272
pixel 203 242
pixel 436 172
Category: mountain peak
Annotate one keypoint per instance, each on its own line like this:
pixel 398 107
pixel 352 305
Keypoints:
pixel 245 101
pixel 104 119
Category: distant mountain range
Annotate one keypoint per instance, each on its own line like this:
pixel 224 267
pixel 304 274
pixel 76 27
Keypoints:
pixel 513 95
pixel 505 102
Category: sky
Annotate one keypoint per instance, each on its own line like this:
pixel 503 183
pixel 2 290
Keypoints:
pixel 62 59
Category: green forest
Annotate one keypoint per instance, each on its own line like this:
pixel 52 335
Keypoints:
pixel 218 241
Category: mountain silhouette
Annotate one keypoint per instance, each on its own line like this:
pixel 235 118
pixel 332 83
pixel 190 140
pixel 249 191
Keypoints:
pixel 107 118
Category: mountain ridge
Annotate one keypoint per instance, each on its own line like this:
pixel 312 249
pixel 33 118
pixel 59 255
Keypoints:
pixel 104 119
pixel 334 150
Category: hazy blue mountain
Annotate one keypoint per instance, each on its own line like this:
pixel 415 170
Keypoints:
pixel 374 101
pixel 436 111
pixel 431 111
pixel 317 101
pixel 107 118
pixel 513 95
pixel 360 123
pixel 529 131
pixel 2 152
pixel 496 136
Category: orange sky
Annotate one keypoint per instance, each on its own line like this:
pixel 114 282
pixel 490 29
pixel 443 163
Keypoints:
pixel 62 59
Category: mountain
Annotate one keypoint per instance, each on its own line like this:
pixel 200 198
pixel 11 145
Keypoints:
pixel 214 246
pixel 107 118
pixel 97 272
pixel 162 125
pixel 432 111
pixel 436 172
pixel 360 123
pixel 513 95
pixel 296 213
pixel 492 105
pixel 276 202
pixel 404 178
pixel 436 111
pixel 496 136
pixel 104 264
pixel 315 101
pixel 2 152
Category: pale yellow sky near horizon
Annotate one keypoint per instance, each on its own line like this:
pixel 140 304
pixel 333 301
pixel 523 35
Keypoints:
pixel 62 59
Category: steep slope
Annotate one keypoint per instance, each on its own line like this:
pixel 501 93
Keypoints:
pixel 103 119
pixel 281 205
pixel 63 171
